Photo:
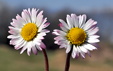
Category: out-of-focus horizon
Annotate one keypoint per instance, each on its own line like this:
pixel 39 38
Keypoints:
pixel 99 10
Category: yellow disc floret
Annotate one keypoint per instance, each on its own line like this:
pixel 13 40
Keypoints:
pixel 29 31
pixel 76 36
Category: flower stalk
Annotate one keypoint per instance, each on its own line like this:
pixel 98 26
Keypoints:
pixel 46 60
pixel 68 60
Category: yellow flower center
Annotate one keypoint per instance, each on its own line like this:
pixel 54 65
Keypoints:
pixel 76 36
pixel 29 31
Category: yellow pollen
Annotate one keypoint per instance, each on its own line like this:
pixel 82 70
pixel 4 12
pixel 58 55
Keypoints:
pixel 76 36
pixel 29 31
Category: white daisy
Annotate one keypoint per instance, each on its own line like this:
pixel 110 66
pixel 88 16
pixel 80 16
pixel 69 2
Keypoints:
pixel 78 35
pixel 28 31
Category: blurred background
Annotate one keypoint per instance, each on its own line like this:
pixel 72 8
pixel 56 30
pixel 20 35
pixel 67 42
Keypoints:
pixel 99 10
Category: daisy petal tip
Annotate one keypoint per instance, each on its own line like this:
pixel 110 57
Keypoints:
pixel 35 53
pixel 21 52
pixel 76 57
pixel 43 46
pixel 29 54
pixel 84 15
pixel 60 25
pixel 83 57
pixel 89 54
pixel 53 33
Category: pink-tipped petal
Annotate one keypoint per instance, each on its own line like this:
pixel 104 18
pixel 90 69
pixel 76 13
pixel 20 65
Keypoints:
pixel 20 45
pixel 93 31
pixel 38 47
pixel 29 51
pixel 13 36
pixel 46 25
pixel 34 50
pixel 44 21
pixel 63 28
pixel 64 23
pixel 43 45
pixel 60 32
pixel 45 30
pixel 89 53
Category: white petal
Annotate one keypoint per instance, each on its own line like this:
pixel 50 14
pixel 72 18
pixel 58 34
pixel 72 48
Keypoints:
pixel 13 36
pixel 92 24
pixel 16 23
pixel 34 50
pixel 14 31
pixel 30 45
pixel 88 24
pixel 63 42
pixel 59 42
pixel 42 34
pixel 94 36
pixel 74 52
pixel 60 38
pixel 29 51
pixel 72 19
pixel 42 45
pixel 39 20
pixel 37 41
pixel 20 20
pixel 64 23
pixel 46 25
pixel 69 21
pixel 68 49
pixel 60 32
pixel 39 48
pixel 26 16
pixel 93 40
pixel 63 28
pixel 82 20
pixel 77 52
pixel 44 21
pixel 40 13
pixel 89 53
pixel 20 45
pixel 33 15
pixel 63 45
pixel 45 30
pixel 24 48
pixel 16 41
pixel 82 54
pixel 76 21
pixel 55 33
pixel 90 47
pixel 93 31
pixel 83 49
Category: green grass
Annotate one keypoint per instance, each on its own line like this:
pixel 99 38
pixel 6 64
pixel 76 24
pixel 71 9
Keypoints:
pixel 11 60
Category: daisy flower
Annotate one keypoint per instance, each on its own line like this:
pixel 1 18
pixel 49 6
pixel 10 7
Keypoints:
pixel 28 31
pixel 77 34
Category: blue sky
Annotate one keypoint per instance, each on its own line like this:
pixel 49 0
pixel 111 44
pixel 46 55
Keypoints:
pixel 55 5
